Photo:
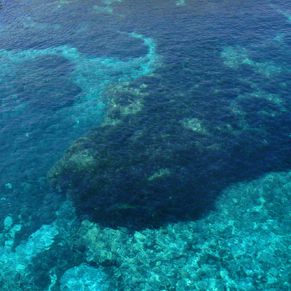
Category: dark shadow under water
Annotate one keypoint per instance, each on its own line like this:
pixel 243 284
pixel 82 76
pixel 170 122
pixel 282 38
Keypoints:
pixel 186 133
pixel 175 140
pixel 169 161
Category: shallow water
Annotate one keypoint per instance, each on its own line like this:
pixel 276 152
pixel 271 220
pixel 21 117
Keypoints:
pixel 188 101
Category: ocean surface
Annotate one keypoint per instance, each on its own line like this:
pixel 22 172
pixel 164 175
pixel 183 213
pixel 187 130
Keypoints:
pixel 145 145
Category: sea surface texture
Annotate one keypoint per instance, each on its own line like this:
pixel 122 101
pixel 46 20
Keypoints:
pixel 145 145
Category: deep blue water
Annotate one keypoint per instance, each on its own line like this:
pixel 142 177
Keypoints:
pixel 213 76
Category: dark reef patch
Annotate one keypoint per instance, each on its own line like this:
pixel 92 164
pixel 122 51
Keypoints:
pixel 164 154
pixel 213 114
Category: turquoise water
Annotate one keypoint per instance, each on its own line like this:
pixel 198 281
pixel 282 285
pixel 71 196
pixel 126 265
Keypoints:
pixel 145 145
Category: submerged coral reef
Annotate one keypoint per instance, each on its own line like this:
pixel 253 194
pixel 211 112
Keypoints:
pixel 186 183
pixel 84 277
pixel 15 260
pixel 242 245
pixel 162 157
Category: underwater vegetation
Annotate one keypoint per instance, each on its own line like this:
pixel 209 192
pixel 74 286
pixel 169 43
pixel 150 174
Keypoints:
pixel 242 245
pixel 161 157
pixel 164 131
pixel 49 97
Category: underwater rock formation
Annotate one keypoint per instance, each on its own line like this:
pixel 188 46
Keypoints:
pixel 242 245
pixel 173 140
pixel 160 156
pixel 134 167
pixel 84 277
pixel 16 260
